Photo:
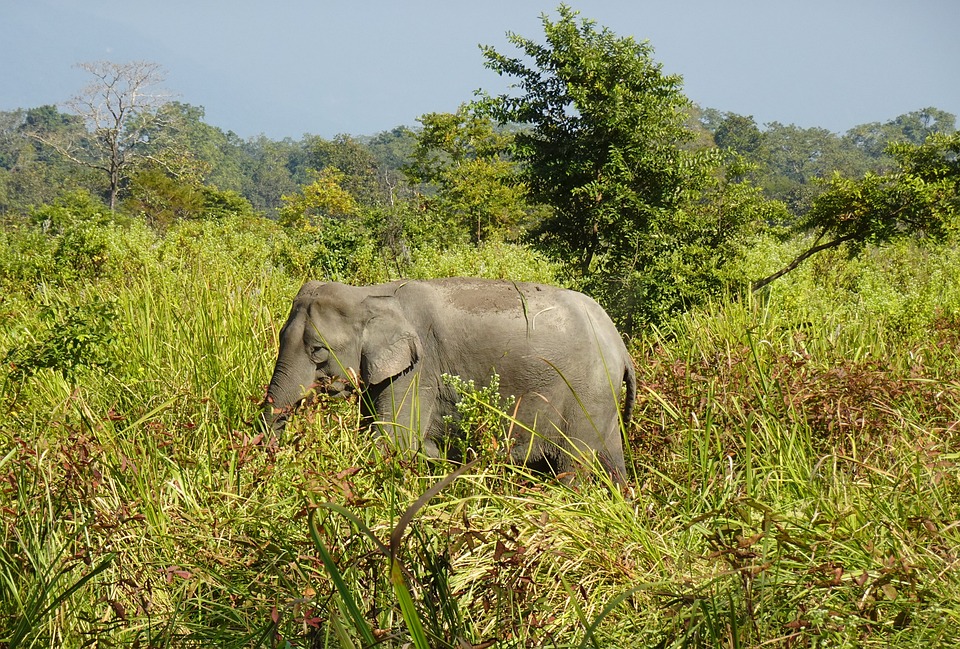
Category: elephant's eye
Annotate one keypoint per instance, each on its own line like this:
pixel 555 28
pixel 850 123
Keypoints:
pixel 319 354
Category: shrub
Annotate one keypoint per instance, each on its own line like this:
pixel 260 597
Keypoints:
pixel 72 338
pixel 494 260
pixel 74 239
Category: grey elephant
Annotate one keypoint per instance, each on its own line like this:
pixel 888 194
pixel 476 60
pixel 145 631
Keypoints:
pixel 556 352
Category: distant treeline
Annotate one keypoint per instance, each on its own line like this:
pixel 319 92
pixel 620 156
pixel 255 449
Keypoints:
pixel 787 159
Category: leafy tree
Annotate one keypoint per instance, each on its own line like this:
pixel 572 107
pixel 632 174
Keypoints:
pixel 792 160
pixel 874 138
pixel 463 162
pixel 32 173
pixel 919 125
pixel 392 150
pixel 359 170
pixel 919 198
pixel 273 169
pixel 605 143
pixel 322 200
pixel 793 163
pixel 119 111
pixel 163 199
pixel 738 133
pixel 188 148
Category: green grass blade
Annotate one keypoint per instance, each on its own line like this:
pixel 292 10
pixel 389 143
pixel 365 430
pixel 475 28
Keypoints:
pixel 408 608
pixel 346 596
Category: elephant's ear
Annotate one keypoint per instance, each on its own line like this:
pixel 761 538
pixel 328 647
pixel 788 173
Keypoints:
pixel 390 344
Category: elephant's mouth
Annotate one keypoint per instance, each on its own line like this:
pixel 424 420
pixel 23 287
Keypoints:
pixel 333 388
pixel 323 388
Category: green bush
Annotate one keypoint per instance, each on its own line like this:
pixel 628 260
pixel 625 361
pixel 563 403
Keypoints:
pixel 26 258
pixel 72 338
pixel 73 240
pixel 494 260
pixel 902 287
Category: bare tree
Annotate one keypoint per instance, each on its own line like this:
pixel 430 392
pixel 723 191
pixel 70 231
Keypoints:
pixel 120 108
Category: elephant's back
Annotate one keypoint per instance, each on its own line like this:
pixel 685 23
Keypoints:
pixel 486 297
pixel 515 314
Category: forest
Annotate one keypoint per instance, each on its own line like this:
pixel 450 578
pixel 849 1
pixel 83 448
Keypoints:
pixel 789 295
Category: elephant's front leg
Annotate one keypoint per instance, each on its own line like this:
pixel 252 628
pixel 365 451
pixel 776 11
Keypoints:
pixel 406 411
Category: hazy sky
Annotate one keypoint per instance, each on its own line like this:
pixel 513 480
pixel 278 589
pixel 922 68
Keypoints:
pixel 290 67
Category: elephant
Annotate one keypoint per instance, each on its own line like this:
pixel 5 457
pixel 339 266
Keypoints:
pixel 556 352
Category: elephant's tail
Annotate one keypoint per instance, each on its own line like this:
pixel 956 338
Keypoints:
pixel 630 399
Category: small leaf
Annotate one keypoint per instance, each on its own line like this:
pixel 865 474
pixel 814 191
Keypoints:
pixel 890 591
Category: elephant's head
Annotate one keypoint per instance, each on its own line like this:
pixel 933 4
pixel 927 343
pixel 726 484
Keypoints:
pixel 337 338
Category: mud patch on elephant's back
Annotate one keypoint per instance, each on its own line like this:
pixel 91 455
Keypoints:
pixel 485 298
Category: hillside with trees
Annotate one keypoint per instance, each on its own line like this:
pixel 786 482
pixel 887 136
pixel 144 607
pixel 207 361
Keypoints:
pixel 790 296
pixel 695 182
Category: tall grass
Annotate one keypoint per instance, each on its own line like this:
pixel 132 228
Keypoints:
pixel 794 455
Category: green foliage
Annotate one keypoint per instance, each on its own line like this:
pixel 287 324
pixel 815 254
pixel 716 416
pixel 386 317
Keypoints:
pixel 31 173
pixel 356 167
pixel 914 128
pixel 119 113
pixel 331 233
pixel 917 200
pixel 74 238
pixel 472 189
pixel 607 149
pixel 71 338
pixel 161 199
pixel 187 163
pixel 495 260
pixel 899 288
pixel 483 419
pixel 792 473
pixel 792 159
pixel 313 207
pixel 220 204
pixel 738 133
pixel 605 125
pixel 791 162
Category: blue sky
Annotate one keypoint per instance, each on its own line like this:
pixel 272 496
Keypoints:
pixel 284 68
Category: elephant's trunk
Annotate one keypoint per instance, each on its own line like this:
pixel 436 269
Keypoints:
pixel 271 418
pixel 287 389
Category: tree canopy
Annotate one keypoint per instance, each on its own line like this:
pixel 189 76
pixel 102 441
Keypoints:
pixel 604 142
pixel 119 110
pixel 920 198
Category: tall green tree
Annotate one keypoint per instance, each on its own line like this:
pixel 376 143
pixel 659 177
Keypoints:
pixel 359 168
pixel 32 173
pixel 792 160
pixel 738 133
pixel 604 142
pixel 471 189
pixel 393 149
pixel 273 169
pixel 185 146
pixel 914 127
